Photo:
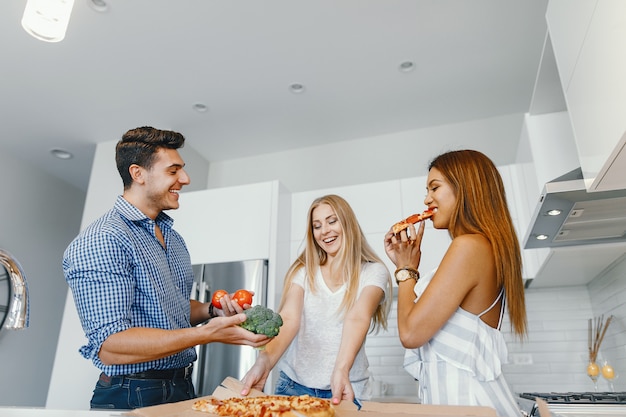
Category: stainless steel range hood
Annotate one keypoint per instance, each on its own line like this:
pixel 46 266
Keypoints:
pixel 569 215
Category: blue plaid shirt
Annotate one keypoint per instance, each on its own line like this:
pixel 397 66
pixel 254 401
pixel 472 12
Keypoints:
pixel 121 277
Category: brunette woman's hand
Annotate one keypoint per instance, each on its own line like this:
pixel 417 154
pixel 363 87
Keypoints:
pixel 404 248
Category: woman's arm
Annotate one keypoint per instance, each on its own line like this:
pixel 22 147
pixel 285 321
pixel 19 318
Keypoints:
pixel 467 262
pixel 355 327
pixel 291 314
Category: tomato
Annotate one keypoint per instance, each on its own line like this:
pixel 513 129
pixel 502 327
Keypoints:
pixel 217 296
pixel 243 297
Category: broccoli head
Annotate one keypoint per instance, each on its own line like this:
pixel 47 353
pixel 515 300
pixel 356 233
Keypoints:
pixel 262 320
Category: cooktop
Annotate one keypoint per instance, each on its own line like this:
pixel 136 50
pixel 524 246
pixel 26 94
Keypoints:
pixel 578 397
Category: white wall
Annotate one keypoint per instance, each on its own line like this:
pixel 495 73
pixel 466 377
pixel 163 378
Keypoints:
pixel 39 216
pixel 371 159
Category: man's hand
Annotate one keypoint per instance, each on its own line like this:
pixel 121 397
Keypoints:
pixel 227 330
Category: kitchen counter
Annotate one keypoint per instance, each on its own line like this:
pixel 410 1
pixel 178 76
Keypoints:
pixel 392 399
pixel 46 412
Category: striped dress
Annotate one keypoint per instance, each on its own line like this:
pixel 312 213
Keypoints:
pixel 461 364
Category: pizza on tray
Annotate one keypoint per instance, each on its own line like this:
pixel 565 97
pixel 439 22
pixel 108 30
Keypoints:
pixel 267 406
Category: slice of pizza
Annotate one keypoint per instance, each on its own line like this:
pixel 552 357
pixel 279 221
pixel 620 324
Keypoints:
pixel 412 219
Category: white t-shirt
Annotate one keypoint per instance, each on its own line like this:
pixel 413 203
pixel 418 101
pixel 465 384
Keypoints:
pixel 310 358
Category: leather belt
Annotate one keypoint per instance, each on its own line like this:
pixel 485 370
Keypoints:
pixel 163 373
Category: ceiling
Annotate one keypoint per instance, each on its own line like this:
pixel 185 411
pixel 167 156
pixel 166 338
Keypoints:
pixel 147 62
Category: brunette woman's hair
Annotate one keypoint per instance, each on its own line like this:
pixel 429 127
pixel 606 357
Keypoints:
pixel 353 253
pixel 481 208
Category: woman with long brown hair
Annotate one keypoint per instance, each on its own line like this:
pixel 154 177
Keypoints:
pixel 449 320
pixel 334 293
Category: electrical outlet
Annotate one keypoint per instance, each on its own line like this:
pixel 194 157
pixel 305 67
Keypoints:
pixel 522 358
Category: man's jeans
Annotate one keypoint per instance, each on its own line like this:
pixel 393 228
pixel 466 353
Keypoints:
pixel 124 393
pixel 287 386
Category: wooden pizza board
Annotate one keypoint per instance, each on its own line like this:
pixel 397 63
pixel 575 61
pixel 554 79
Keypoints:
pixel 231 387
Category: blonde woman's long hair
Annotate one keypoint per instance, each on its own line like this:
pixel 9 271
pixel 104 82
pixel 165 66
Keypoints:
pixel 481 208
pixel 353 253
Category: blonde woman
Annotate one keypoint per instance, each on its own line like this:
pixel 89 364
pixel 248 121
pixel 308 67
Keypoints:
pixel 335 293
pixel 450 319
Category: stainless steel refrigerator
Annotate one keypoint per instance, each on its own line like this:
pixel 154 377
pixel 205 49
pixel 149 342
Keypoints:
pixel 216 361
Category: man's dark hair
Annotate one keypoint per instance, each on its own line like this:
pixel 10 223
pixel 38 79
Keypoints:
pixel 139 146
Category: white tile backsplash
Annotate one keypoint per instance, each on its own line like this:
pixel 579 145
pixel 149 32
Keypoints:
pixel 608 297
pixel 558 320
pixel 386 355
pixel 556 340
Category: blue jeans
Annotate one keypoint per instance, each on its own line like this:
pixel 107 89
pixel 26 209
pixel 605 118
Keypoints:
pixel 287 386
pixel 124 393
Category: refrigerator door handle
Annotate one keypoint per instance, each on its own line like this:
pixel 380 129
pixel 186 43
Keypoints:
pixel 202 293
pixel 194 291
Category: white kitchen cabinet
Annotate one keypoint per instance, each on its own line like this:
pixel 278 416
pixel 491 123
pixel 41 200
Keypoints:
pixel 567 24
pixel 552 146
pixel 589 39
pixel 547 151
pixel 376 206
pixel 226 224
pixel 238 223
pixel 519 184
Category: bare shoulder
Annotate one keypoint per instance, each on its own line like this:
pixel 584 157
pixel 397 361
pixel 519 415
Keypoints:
pixel 471 244
pixel 472 254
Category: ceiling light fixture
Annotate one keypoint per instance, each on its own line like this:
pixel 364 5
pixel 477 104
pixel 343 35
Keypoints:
pixel 47 20
pixel 62 154
pixel 406 66
pixel 541 237
pixel 553 212
pixel 200 107
pixel 296 88
pixel 100 6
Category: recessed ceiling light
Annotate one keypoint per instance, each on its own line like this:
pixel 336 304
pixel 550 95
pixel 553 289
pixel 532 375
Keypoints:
pixel 406 66
pixel 296 88
pixel 98 5
pixel 553 212
pixel 541 237
pixel 61 154
pixel 200 107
